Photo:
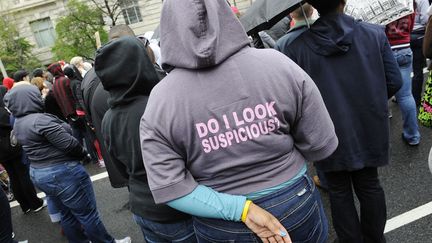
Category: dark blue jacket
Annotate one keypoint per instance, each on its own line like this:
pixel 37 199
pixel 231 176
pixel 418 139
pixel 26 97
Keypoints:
pixel 353 66
pixel 46 139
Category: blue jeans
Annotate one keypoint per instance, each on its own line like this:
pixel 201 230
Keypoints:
pixel 70 189
pixel 178 232
pixel 53 211
pixel 405 98
pixel 298 207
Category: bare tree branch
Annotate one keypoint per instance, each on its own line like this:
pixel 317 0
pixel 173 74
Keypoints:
pixel 99 7
pixel 110 12
pixel 114 10
pixel 116 5
pixel 81 20
pixel 117 15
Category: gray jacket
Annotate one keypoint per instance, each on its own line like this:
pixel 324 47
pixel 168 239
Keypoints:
pixel 45 138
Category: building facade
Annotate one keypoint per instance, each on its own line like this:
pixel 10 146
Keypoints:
pixel 36 19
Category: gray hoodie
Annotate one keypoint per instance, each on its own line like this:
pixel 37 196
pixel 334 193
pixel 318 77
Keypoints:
pixel 227 116
pixel 46 139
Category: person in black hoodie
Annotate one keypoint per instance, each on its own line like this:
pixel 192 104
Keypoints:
pixel 75 87
pixel 55 169
pixel 127 73
pixel 96 105
pixel 10 157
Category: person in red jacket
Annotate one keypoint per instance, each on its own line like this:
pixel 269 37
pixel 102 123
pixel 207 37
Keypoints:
pixel 399 34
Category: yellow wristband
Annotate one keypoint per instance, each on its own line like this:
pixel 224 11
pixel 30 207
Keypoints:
pixel 245 210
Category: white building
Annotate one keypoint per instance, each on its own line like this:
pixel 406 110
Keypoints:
pixel 36 19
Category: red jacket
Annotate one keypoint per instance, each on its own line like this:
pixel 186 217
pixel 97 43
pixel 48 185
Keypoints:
pixel 398 32
pixel 62 91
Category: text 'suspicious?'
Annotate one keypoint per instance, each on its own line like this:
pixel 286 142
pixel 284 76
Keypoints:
pixel 238 127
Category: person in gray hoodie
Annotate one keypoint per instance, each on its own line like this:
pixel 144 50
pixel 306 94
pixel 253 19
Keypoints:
pixel 55 169
pixel 11 159
pixel 228 132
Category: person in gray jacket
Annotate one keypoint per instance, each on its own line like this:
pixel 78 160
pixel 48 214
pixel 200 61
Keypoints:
pixel 55 166
pixel 228 132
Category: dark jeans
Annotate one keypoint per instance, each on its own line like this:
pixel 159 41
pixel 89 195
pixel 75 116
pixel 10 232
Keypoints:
pixel 5 219
pixel 22 187
pixel 154 232
pixel 69 187
pixel 323 180
pixel 349 228
pixel 419 62
pixel 298 207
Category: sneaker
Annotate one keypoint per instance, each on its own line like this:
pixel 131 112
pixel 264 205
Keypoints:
pixel 101 163
pixel 44 204
pixel 125 240
pixel 410 143
pixel 13 235
pixel 24 241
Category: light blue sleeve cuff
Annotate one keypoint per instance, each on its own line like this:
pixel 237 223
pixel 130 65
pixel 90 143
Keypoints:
pixel 208 203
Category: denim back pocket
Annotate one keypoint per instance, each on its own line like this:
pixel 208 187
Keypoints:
pixel 306 225
pixel 221 231
pixel 404 57
pixel 173 231
pixel 299 210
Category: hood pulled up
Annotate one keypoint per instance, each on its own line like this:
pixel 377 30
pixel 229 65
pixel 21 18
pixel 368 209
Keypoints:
pixel 23 100
pixel 125 70
pixel 198 34
pixel 331 35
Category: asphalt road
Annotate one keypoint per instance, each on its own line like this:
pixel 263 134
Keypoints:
pixel 406 181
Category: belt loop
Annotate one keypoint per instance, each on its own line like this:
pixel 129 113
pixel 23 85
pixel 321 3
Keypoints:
pixel 309 181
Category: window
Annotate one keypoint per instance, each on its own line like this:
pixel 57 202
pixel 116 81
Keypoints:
pixel 43 32
pixel 131 11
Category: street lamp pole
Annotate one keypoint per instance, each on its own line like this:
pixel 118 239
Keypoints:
pixel 2 68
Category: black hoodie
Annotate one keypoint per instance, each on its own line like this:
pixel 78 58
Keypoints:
pixel 4 114
pixel 127 73
pixel 75 85
pixel 7 152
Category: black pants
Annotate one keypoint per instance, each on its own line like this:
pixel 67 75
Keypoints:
pixel 349 228
pixel 419 62
pixel 81 132
pixel 5 219
pixel 22 187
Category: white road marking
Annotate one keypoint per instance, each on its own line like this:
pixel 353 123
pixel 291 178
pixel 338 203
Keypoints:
pixel 408 217
pixel 392 224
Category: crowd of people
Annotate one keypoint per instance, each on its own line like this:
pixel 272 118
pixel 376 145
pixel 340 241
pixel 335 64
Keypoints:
pixel 211 136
